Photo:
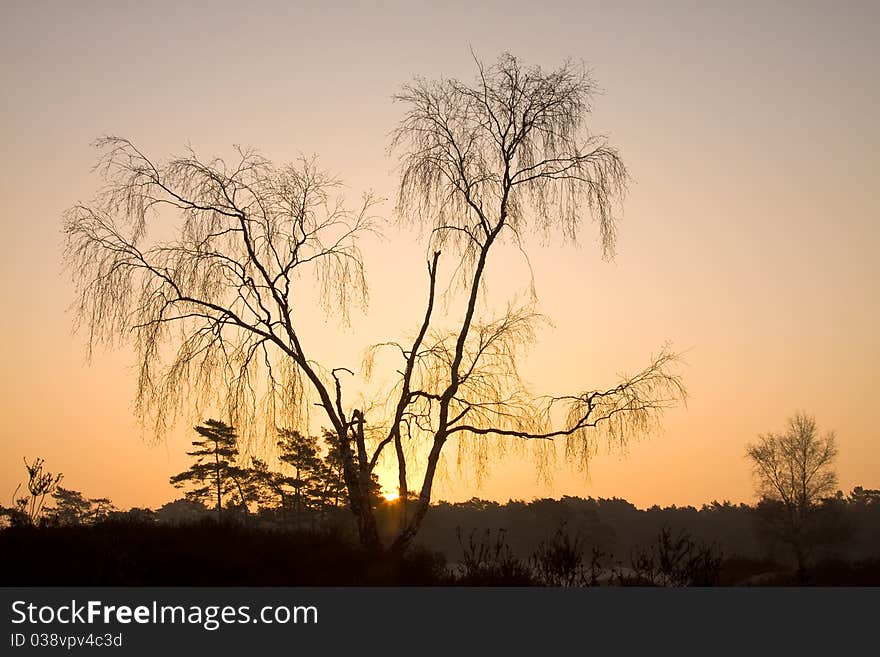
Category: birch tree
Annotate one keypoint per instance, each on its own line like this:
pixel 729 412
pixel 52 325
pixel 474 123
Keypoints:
pixel 202 264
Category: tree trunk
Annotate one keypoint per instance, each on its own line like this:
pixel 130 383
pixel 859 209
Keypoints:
pixel 217 479
pixel 358 498
pixel 801 565
pixel 296 499
pixel 241 494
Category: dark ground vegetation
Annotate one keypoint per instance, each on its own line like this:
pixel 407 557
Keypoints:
pixel 567 542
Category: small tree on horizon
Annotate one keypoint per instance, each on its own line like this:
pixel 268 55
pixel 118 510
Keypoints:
pixel 317 479
pixel 266 487
pixel 71 508
pixel 333 488
pixel 794 472
pixel 300 452
pixel 310 480
pixel 28 509
pixel 215 473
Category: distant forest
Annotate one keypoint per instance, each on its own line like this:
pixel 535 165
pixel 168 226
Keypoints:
pixel 255 525
pixel 566 542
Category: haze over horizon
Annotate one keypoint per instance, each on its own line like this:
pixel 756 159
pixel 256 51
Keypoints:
pixel 749 237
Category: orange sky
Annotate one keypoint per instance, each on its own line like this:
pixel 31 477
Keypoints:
pixel 750 236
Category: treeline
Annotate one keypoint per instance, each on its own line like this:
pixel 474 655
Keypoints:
pixel 311 489
pixel 570 542
pixel 845 526
pixel 307 491
pixel 566 542
pixel 848 526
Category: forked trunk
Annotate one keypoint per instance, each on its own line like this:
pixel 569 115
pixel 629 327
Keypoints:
pixel 359 498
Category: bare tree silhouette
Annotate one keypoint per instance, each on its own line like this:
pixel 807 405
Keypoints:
pixel 483 164
pixel 213 301
pixel 794 470
pixel 28 509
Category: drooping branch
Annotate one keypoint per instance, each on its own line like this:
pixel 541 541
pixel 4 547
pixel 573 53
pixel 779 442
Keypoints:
pixel 630 408
pixel 515 140
pixel 212 257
